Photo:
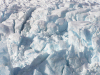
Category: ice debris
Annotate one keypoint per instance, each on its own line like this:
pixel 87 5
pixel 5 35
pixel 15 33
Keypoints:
pixel 49 37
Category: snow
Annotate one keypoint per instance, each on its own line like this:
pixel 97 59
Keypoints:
pixel 49 37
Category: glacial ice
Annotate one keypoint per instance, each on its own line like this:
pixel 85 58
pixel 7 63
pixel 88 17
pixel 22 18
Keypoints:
pixel 49 37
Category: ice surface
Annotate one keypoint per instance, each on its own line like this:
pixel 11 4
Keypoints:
pixel 49 37
pixel 36 72
pixel 62 24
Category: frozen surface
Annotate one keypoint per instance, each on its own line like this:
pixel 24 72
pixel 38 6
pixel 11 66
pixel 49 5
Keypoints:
pixel 50 37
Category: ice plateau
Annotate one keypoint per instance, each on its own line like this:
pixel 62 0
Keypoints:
pixel 50 37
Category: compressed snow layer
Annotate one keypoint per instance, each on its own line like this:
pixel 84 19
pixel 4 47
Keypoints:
pixel 50 37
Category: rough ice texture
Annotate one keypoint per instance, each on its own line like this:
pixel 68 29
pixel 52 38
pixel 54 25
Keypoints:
pixel 50 37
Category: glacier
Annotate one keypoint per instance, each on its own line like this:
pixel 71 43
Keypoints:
pixel 49 37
